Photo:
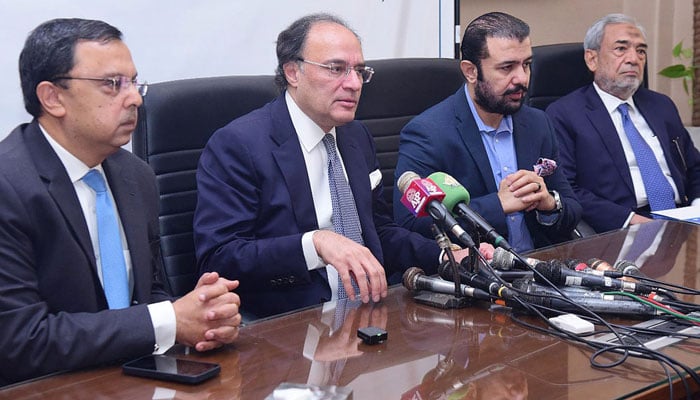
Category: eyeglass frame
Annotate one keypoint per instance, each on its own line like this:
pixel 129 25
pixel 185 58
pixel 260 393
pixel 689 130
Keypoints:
pixel 118 83
pixel 356 68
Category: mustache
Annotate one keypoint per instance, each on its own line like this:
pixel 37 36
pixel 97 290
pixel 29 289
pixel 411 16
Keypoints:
pixel 516 89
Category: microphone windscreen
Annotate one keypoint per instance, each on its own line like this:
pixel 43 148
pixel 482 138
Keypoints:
pixel 454 191
pixel 502 259
pixel 405 179
pixel 410 278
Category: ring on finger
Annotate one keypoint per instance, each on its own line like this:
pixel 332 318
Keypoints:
pixel 539 186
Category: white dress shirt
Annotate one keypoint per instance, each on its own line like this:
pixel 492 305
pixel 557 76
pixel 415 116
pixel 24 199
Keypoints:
pixel 316 159
pixel 162 313
pixel 611 104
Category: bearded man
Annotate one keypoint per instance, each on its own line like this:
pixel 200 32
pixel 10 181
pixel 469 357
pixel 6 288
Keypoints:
pixel 486 139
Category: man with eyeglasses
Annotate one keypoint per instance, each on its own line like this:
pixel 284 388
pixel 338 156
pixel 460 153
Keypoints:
pixel 645 160
pixel 81 277
pixel 490 142
pixel 289 196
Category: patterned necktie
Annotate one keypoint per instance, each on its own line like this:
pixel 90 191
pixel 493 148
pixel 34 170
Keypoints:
pixel 114 278
pixel 659 191
pixel 345 219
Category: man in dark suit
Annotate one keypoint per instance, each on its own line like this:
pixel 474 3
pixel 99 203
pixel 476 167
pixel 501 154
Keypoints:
pixel 58 310
pixel 266 212
pixel 488 141
pixel 597 156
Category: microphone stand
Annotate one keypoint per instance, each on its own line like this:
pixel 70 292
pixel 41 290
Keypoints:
pixel 442 300
pixel 444 243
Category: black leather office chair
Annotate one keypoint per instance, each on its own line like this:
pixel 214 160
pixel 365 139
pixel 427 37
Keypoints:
pixel 401 89
pixel 177 118
pixel 557 70
pixel 175 122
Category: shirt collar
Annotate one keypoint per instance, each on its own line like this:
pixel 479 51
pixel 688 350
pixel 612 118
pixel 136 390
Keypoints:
pixel 505 125
pixel 75 168
pixel 611 102
pixel 310 134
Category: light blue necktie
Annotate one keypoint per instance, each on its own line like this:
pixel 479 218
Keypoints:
pixel 659 191
pixel 345 219
pixel 114 278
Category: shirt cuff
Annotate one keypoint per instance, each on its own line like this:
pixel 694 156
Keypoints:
pixel 547 219
pixel 313 261
pixel 164 325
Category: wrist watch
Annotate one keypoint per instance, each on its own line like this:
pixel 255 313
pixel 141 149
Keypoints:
pixel 557 201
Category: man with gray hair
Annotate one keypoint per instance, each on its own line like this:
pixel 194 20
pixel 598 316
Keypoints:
pixel 623 147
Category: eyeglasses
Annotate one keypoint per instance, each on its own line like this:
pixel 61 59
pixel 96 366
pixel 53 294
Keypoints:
pixel 342 70
pixel 117 83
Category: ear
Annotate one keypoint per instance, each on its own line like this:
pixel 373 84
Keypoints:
pixel 291 72
pixel 591 58
pixel 469 70
pixel 50 99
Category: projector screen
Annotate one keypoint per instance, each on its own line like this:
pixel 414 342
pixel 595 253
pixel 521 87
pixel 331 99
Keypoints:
pixel 178 39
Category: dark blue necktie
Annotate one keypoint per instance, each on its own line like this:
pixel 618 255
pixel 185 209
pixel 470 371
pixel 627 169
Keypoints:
pixel 345 219
pixel 659 191
pixel 114 280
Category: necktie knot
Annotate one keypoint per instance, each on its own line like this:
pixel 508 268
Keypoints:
pixel 623 108
pixel 329 142
pixel 95 180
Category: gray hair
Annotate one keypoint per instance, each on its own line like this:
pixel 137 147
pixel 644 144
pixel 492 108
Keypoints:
pixel 594 36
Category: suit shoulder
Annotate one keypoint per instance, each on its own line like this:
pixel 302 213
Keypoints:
pixel 438 115
pixel 568 101
pixel 246 128
pixel 650 96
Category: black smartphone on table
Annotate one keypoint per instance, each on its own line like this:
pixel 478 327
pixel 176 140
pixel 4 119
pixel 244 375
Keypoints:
pixel 171 369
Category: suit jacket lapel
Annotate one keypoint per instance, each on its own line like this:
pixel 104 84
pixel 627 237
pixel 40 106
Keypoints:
pixel 358 176
pixel 290 161
pixel 598 116
pixel 59 186
pixel 525 153
pixel 468 130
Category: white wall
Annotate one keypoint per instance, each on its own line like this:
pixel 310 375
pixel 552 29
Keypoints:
pixel 174 39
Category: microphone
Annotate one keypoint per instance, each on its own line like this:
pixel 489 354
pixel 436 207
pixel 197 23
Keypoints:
pixel 422 197
pixel 478 280
pixel 556 272
pixel 627 268
pixel 414 279
pixel 599 265
pixel 418 193
pixel 577 265
pixel 594 301
pixel 504 260
pixel 456 200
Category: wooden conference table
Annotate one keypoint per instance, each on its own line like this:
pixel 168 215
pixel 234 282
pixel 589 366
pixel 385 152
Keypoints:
pixel 474 352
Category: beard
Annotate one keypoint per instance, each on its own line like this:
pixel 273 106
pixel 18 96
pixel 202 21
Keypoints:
pixel 492 103
pixel 622 88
